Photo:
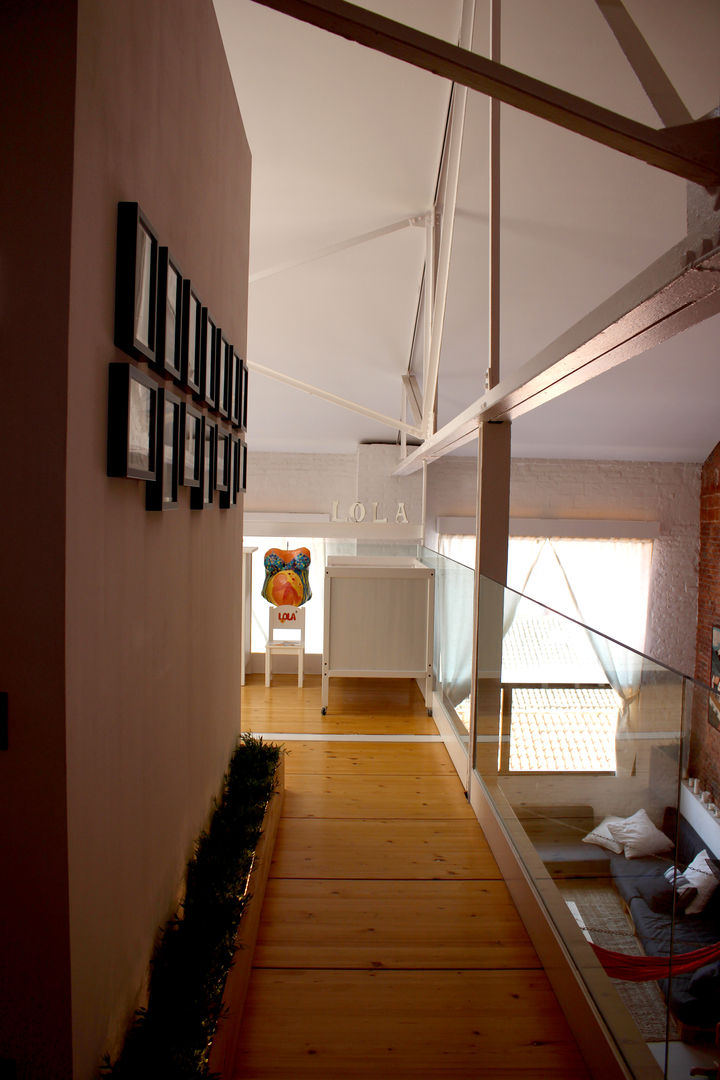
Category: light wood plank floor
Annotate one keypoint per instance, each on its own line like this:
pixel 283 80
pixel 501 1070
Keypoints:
pixel 389 945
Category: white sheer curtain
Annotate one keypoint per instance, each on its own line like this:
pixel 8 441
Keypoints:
pixel 605 585
pixel 454 616
pixel 523 556
pixel 609 583
pixel 459 547
pixel 601 583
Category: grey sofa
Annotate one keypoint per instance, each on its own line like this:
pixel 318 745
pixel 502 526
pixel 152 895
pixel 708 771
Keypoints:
pixel 556 833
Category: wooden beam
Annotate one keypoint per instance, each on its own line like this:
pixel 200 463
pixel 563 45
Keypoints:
pixel 690 151
pixel 662 94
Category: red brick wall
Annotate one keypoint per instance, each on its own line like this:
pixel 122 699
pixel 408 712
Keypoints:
pixel 705 740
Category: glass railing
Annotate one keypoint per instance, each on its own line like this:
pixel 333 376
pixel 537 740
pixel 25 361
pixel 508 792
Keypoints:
pixel 453 652
pixel 582 748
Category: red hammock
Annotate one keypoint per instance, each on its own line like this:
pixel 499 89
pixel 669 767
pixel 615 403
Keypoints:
pixel 648 968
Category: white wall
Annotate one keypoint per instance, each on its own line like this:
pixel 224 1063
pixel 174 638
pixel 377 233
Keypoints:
pixel 667 493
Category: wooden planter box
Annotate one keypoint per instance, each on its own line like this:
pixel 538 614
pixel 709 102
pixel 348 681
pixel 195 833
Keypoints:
pixel 236 986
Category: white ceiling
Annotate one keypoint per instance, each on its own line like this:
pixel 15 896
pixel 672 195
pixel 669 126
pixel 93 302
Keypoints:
pixel 346 141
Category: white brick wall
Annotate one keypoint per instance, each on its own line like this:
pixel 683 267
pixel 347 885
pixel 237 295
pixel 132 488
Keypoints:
pixel 311 483
pixel 299 483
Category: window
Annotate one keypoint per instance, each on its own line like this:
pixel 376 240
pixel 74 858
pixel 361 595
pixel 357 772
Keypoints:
pixel 564 689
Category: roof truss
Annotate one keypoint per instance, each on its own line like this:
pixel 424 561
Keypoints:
pixel 691 151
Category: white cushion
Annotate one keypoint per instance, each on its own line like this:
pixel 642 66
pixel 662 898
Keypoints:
pixel 701 875
pixel 639 836
pixel 600 835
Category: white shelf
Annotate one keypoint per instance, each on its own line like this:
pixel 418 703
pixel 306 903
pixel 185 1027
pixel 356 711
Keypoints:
pixel 696 814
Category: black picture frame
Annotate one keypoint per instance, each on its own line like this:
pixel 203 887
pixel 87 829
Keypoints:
pixel 223 459
pixel 210 346
pixel 236 392
pixel 239 482
pixel 162 492
pixel 191 445
pixel 132 422
pixel 168 353
pixel 244 403
pixel 136 272
pixel 192 340
pixel 225 372
pixel 229 498
pixel 202 497
pixel 714 695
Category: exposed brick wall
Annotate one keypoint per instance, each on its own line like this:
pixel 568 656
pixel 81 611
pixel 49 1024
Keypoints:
pixel 705 740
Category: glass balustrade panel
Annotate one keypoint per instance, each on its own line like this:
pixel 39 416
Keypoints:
pixel 582 745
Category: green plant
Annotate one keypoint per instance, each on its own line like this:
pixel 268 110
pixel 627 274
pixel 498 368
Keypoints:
pixel 171 1038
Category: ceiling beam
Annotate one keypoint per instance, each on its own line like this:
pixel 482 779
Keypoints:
pixel 662 94
pixel 334 399
pixel 673 294
pixel 691 151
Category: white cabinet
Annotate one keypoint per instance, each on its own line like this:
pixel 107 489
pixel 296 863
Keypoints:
pixel 378 620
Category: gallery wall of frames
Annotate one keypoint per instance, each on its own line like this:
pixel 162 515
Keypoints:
pixel 180 420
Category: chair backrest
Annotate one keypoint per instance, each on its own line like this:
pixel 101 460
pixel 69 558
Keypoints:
pixel 285 621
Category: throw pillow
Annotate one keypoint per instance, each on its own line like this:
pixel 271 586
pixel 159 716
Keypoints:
pixel 639 836
pixel 600 835
pixel 702 875
pixel 660 899
pixel 674 876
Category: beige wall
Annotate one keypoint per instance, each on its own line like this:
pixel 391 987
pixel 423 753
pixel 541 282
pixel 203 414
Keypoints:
pixel 37 65
pixel 153 600
pixel 122 660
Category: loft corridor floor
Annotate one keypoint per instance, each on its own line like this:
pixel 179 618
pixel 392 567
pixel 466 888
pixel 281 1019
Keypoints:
pixel 388 945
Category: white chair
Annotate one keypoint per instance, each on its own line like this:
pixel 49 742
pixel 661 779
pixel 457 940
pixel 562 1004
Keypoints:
pixel 284 621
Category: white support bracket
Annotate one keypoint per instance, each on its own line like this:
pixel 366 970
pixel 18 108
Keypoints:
pixel 436 299
pixel 413 397
pixel 325 395
pixel 342 245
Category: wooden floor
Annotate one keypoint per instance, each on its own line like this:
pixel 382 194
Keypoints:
pixel 388 946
